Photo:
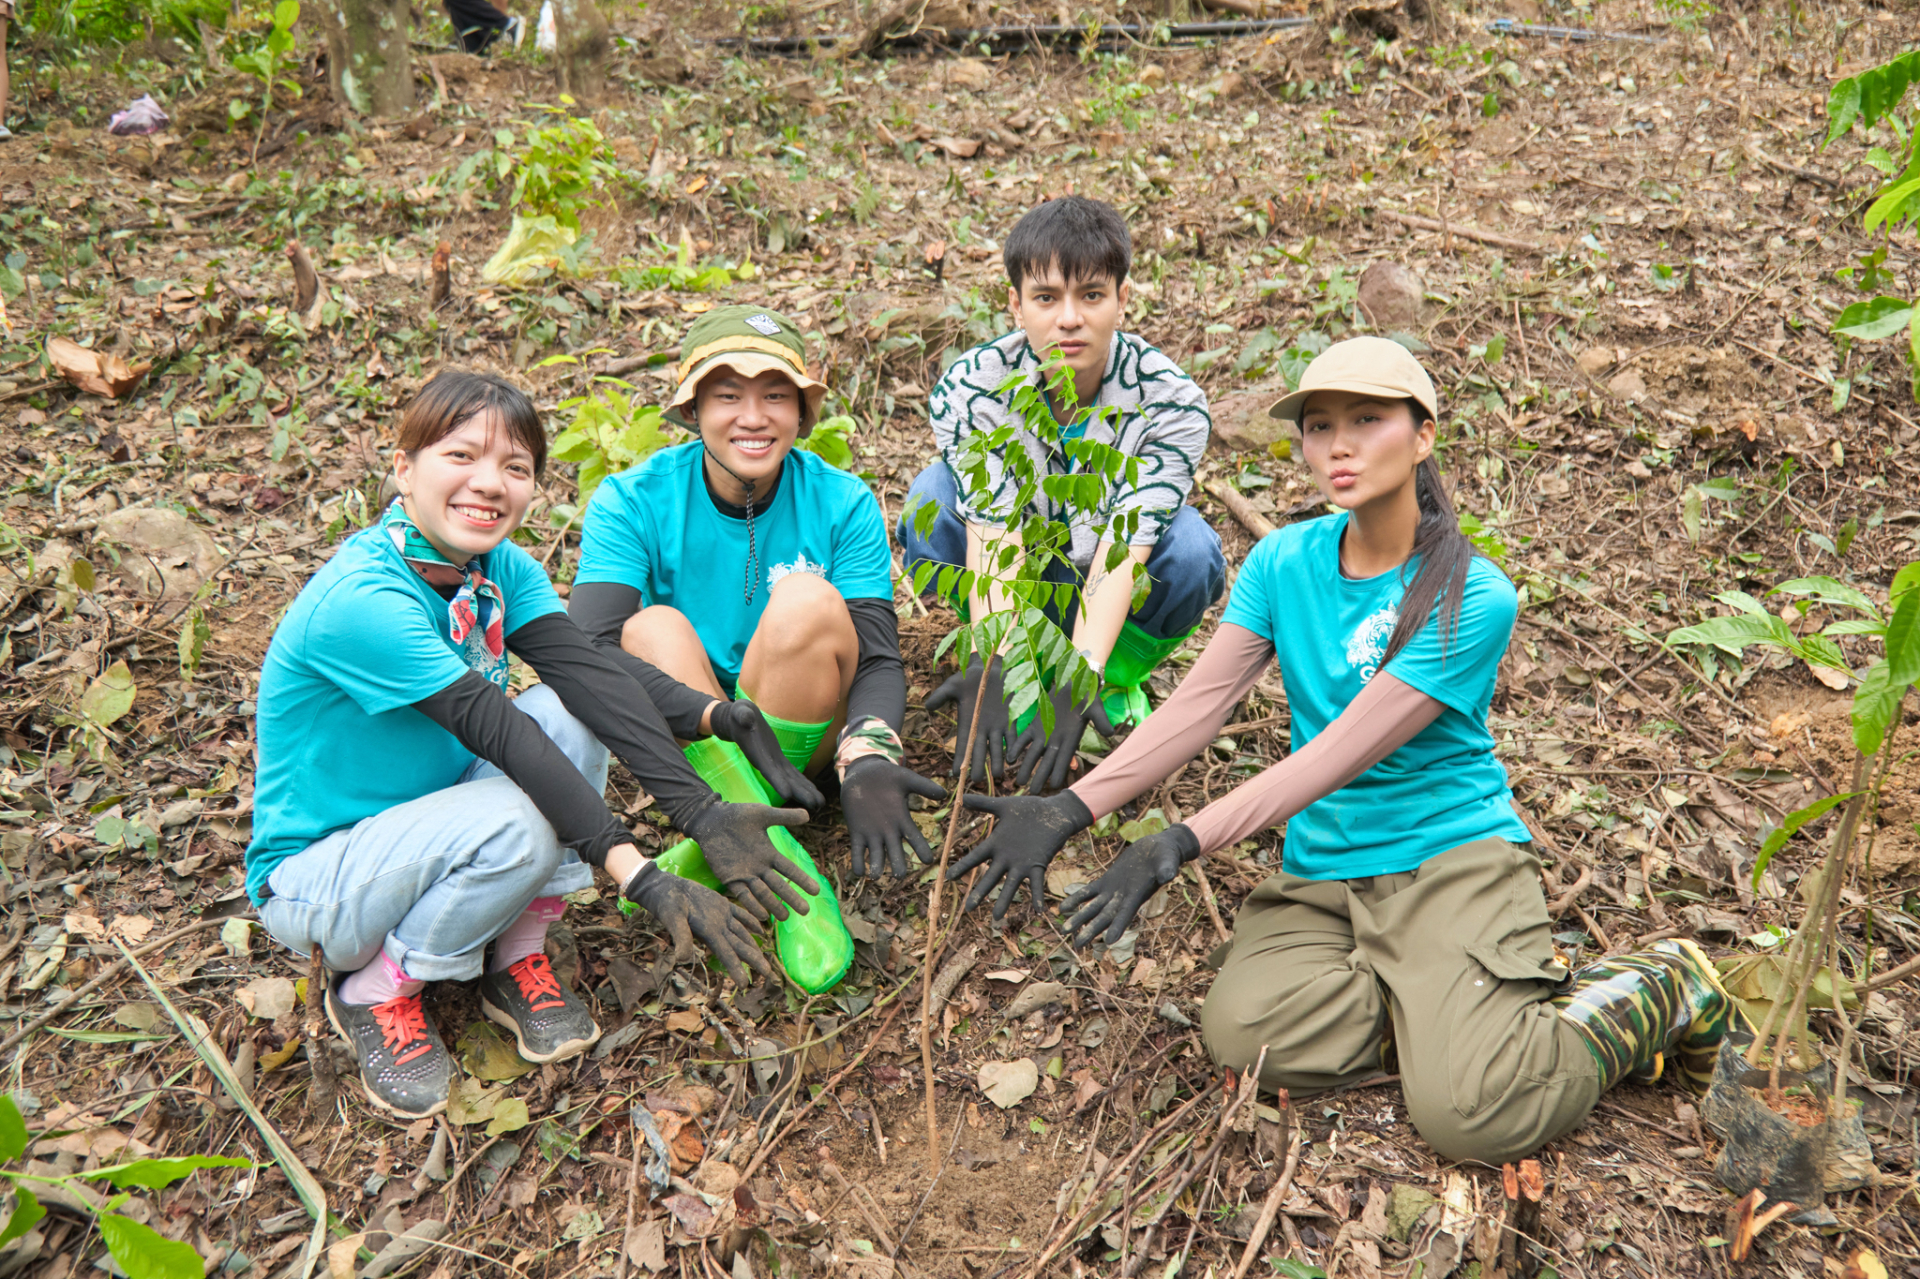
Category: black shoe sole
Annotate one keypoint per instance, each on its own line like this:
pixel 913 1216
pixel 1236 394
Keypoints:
pixel 366 1088
pixel 571 1048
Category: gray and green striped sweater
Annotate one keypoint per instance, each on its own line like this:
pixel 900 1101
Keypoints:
pixel 1163 421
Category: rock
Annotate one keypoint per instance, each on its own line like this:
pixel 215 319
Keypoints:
pixel 1241 424
pixel 1594 360
pixel 1628 385
pixel 163 552
pixel 1392 296
pixel 968 73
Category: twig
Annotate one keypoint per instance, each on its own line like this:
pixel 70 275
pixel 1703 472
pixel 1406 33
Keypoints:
pixel 1063 1236
pixel 465 1164
pixel 1465 233
pixel 1249 1085
pixel 1888 977
pixel 1811 175
pixel 106 975
pixel 1213 912
pixel 1271 1208
pixel 766 1150
pixel 933 903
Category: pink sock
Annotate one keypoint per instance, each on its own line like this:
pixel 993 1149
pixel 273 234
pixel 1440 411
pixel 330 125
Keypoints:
pixel 378 982
pixel 526 935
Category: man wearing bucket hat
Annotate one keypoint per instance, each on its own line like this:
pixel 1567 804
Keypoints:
pixel 760 575
pixel 1408 910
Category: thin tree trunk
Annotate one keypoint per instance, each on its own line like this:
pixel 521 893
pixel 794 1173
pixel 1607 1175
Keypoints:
pixel 367 63
pixel 582 41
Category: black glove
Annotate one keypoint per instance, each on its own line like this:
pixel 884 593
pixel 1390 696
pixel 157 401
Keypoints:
pixel 1053 752
pixel 742 724
pixel 1027 832
pixel 1111 901
pixel 734 840
pixel 873 795
pixel 995 730
pixel 688 910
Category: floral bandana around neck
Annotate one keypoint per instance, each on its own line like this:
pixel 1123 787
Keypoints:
pixel 477 612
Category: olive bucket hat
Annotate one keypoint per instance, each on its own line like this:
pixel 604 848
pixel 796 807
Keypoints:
pixel 750 340
pixel 1373 366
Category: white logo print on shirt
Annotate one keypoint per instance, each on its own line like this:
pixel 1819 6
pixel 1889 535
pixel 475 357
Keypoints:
pixel 1368 643
pixel 801 565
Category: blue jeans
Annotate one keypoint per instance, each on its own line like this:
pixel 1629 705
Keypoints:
pixel 1188 571
pixel 433 880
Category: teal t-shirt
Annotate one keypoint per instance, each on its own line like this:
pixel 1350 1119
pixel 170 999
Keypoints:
pixel 1439 791
pixel 655 528
pixel 339 739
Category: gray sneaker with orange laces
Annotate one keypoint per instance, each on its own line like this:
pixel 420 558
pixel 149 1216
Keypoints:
pixel 405 1067
pixel 549 1020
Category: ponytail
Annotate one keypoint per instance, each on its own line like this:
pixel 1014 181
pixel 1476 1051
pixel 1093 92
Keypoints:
pixel 1444 553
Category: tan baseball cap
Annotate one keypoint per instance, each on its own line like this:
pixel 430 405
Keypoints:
pixel 1363 366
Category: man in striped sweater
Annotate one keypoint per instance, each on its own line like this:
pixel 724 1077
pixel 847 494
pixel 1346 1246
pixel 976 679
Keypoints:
pixel 1067 263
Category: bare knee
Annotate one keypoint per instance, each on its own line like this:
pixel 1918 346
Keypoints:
pixel 657 632
pixel 805 617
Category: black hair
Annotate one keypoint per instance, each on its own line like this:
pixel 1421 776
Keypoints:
pixel 1444 553
pixel 456 396
pixel 1086 239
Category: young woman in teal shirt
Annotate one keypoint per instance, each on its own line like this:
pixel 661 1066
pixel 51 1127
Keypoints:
pixel 1409 910
pixel 415 823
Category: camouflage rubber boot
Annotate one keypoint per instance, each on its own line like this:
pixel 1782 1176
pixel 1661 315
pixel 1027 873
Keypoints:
pixel 1633 1010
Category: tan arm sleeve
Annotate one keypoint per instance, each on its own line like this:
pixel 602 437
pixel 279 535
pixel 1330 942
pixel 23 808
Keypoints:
pixel 1384 717
pixel 1183 725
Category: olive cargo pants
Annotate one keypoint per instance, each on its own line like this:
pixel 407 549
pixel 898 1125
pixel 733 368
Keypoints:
pixel 1459 953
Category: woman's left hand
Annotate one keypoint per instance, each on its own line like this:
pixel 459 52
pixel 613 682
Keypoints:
pixel 1111 901
pixel 743 724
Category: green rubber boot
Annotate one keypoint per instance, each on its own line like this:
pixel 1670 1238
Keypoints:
pixel 1633 1010
pixel 815 948
pixel 1135 656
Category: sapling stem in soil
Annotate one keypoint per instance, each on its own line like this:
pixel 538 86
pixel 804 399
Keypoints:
pixel 933 906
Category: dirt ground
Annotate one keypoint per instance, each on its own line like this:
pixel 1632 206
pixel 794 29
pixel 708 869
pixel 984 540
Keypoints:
pixel 1626 304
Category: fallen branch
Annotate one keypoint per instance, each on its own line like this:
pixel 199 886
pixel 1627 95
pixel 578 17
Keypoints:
pixel 1241 509
pixel 1463 232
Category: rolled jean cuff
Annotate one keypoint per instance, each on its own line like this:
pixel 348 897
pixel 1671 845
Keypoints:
pixel 570 876
pixel 420 965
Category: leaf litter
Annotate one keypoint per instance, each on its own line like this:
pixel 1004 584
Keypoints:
pixel 1644 413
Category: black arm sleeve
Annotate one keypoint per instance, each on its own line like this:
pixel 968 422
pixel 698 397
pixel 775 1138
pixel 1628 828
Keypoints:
pixel 880 679
pixel 600 610
pixel 600 695
pixel 486 722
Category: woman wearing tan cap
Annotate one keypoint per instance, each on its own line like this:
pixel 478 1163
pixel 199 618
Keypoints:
pixel 1408 911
